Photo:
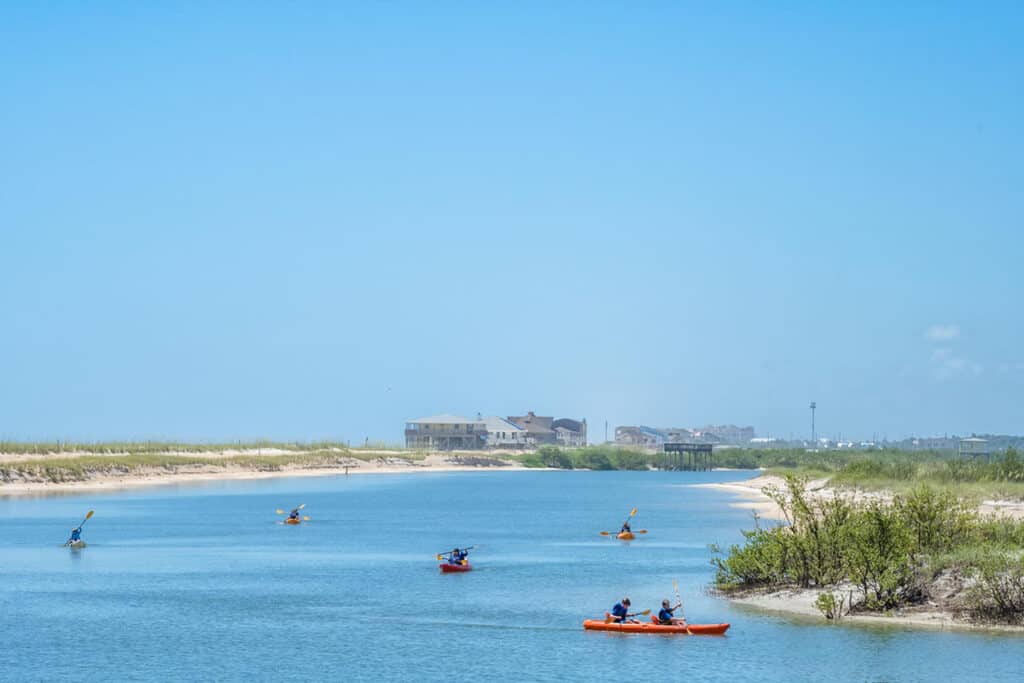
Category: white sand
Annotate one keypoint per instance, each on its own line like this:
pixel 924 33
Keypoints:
pixel 385 464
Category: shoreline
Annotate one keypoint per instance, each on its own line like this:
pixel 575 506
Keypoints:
pixel 799 602
pixel 196 474
pixel 751 496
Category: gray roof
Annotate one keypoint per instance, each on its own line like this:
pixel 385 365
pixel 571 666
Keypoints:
pixel 445 420
pixel 500 424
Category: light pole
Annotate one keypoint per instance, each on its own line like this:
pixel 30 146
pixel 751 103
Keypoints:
pixel 813 408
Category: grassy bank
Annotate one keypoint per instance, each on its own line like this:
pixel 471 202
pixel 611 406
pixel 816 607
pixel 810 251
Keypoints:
pixel 870 555
pixel 83 468
pixel 1001 476
pixel 158 447
pixel 590 458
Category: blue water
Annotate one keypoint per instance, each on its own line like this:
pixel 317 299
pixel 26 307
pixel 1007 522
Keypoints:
pixel 200 582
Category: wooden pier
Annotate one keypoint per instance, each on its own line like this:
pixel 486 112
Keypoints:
pixel 695 457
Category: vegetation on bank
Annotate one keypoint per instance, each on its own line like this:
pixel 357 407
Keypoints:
pixel 900 471
pixel 591 458
pixel 158 447
pixel 880 556
pixel 82 468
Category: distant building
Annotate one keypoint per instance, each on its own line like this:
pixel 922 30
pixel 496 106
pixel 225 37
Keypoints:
pixel 502 433
pixel 642 436
pixel 570 433
pixel 726 434
pixel 455 432
pixel 974 447
pixel 446 433
pixel 539 430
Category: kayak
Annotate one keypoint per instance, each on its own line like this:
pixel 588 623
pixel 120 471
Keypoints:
pixel 76 545
pixel 448 568
pixel 689 629
pixel 625 535
pixel 292 521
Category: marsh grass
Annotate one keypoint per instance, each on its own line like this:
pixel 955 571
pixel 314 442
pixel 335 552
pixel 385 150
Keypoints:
pixel 86 467
pixel 159 447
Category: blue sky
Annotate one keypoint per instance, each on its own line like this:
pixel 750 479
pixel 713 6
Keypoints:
pixel 316 220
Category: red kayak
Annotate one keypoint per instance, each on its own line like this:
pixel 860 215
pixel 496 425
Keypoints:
pixel 448 568
pixel 689 629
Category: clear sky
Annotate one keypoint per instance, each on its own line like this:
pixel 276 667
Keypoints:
pixel 317 220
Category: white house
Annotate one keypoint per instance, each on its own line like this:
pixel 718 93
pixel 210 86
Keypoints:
pixel 502 433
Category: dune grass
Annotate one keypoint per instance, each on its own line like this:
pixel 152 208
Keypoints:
pixel 143 447
pixel 84 467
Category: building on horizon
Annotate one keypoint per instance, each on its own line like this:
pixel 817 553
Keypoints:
pixel 502 433
pixel 446 433
pixel 539 429
pixel 570 433
pixel 456 432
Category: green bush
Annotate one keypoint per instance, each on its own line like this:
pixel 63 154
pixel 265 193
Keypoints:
pixel 998 594
pixel 887 551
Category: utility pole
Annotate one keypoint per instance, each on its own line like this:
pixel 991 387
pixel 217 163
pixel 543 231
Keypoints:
pixel 814 407
pixel 606 431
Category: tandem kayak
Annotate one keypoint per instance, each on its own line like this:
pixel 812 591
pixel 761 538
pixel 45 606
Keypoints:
pixel 292 521
pixel 76 545
pixel 449 568
pixel 689 629
pixel 625 535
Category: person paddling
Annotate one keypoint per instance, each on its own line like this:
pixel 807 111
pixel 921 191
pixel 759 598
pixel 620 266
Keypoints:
pixel 458 556
pixel 626 529
pixel 76 536
pixel 294 514
pixel 666 615
pixel 620 613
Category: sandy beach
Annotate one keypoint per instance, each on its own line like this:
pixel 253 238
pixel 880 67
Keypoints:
pixel 800 602
pixel 751 496
pixel 374 462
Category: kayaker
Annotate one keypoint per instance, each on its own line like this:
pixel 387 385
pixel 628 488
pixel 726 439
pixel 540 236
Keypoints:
pixel 620 613
pixel 667 614
pixel 458 556
pixel 294 514
pixel 626 528
pixel 76 535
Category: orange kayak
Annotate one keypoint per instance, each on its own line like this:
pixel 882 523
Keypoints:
pixel 625 535
pixel 292 521
pixel 689 629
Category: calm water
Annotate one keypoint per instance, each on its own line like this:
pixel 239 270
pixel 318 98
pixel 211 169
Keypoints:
pixel 200 582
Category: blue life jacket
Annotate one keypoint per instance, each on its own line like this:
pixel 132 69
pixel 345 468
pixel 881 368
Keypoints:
pixel 619 611
pixel 665 614
pixel 76 534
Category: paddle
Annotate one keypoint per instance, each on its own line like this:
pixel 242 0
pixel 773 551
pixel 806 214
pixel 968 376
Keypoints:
pixel 608 618
pixel 679 601
pixel 281 512
pixel 632 513
pixel 448 554
pixel 87 516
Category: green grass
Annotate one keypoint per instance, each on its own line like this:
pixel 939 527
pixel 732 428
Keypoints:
pixel 89 466
pixel 108 447
pixel 1001 477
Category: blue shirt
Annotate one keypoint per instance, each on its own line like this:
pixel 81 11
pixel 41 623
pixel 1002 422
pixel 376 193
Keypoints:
pixel 665 614
pixel 76 534
pixel 619 611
